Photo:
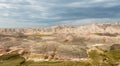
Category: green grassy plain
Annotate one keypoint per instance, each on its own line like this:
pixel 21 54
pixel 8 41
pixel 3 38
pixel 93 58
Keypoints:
pixel 109 58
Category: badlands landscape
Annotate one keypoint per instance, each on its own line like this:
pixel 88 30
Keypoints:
pixel 88 45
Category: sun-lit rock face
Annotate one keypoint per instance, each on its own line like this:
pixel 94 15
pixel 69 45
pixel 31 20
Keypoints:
pixel 60 42
pixel 2 49
pixel 99 47
pixel 94 28
pixel 115 47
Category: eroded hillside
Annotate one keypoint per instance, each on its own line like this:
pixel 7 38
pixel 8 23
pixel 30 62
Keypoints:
pixel 57 42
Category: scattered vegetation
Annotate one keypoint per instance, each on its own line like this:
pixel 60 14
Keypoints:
pixel 38 35
pixel 107 34
pixel 11 59
pixel 107 58
pixel 58 63
pixel 103 58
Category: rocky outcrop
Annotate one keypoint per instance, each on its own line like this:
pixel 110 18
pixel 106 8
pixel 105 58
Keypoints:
pixel 2 49
pixel 87 29
pixel 115 47
pixel 61 42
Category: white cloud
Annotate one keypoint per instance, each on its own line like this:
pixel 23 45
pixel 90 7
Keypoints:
pixel 94 3
pixel 89 21
pixel 19 12
pixel 33 2
pixel 11 23
pixel 3 5
pixel 3 0
pixel 6 14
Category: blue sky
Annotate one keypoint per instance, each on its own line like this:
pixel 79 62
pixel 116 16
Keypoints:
pixel 45 13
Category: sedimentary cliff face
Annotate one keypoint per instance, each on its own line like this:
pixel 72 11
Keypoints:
pixel 60 41
pixel 94 28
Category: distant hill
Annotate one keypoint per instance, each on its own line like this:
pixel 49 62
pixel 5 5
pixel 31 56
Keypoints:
pixel 86 29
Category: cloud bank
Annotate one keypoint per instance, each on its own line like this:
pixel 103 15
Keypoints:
pixel 44 13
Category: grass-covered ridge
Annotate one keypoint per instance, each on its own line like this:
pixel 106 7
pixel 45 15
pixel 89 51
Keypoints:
pixel 57 63
pixel 11 59
pixel 106 58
